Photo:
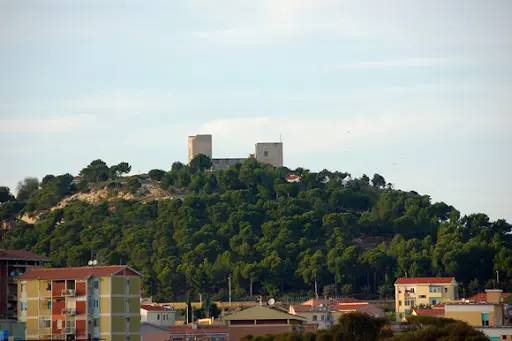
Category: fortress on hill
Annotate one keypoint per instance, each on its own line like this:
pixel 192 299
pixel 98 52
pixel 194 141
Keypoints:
pixel 264 152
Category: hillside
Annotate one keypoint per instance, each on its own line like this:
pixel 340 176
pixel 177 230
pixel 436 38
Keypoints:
pixel 187 229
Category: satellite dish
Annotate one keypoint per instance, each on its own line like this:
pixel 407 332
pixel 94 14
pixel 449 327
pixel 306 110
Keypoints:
pixel 271 301
pixel 89 262
pixel 94 262
pixel 13 274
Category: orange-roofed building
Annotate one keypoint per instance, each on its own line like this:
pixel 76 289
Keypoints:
pixel 14 263
pixel 428 312
pixel 78 303
pixel 428 291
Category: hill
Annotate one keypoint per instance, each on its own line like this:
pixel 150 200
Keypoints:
pixel 188 229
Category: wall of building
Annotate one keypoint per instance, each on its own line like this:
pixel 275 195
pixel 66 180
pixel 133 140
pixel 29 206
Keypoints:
pixel 226 163
pixel 501 333
pixel 270 153
pixel 238 332
pixel 15 329
pixel 199 144
pixel 472 313
pixel 158 318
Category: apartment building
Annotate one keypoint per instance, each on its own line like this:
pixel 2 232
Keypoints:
pixel 98 302
pixel 14 263
pixel 411 292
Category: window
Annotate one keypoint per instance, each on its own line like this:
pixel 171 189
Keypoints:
pixel 59 324
pixel 44 323
pixel 95 322
pixel 485 319
pixel 434 289
pixel 158 316
pixel 504 337
pixel 265 153
pixel 23 305
pixel 96 284
pixel 49 305
pixel 409 302
pixel 411 290
pixel 127 283
pixel 315 318
pixel 23 287
pixel 399 303
pixel 70 284
pixel 49 285
pixel 445 290
pixel 322 317
pixel 423 296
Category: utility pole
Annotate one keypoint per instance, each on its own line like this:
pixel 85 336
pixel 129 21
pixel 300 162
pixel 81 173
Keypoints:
pixel 316 288
pixel 229 288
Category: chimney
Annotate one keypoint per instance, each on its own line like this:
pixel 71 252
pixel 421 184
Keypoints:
pixel 493 295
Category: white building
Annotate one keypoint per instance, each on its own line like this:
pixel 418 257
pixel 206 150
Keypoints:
pixel 157 315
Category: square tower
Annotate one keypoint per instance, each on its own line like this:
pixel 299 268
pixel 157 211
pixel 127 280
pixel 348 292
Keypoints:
pixel 199 144
pixel 270 152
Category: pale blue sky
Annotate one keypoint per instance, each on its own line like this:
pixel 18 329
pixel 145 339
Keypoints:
pixel 418 91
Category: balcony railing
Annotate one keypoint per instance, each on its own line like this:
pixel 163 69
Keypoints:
pixel 68 292
pixel 69 311
pixel 69 330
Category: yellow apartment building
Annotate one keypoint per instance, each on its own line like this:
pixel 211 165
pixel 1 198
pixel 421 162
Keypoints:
pixel 97 302
pixel 410 292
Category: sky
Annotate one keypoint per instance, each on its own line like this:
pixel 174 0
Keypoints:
pixel 417 91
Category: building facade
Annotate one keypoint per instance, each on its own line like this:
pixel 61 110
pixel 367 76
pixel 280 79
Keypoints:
pixel 270 153
pixel 199 144
pixel 14 263
pixel 98 302
pixel 412 292
pixel 157 315
pixel 263 320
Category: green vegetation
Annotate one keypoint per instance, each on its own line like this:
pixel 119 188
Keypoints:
pixel 272 237
pixel 361 327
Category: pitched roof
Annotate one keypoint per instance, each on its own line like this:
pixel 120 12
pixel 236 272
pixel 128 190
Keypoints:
pixel 349 306
pixel 429 312
pixel 482 297
pixel 155 308
pixel 424 280
pixel 200 330
pixel 315 302
pixel 262 313
pixel 21 254
pixel 74 273
pixel 302 308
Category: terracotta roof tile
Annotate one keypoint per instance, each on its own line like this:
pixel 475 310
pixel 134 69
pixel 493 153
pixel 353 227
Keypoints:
pixel 424 280
pixel 149 307
pixel 21 254
pixel 482 297
pixel 71 273
pixel 302 308
pixel 429 312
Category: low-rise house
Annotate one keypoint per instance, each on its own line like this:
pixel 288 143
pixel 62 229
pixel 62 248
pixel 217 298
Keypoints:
pixel 157 315
pixel 263 320
pixel 412 292
pixel 325 312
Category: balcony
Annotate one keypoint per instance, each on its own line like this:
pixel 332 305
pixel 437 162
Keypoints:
pixel 69 292
pixel 69 311
pixel 69 330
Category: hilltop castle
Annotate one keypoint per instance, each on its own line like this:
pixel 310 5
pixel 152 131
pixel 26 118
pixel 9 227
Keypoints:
pixel 265 152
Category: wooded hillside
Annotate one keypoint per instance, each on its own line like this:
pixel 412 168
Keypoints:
pixel 272 237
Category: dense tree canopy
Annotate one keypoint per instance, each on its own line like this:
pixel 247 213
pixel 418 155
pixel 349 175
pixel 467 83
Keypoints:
pixel 272 237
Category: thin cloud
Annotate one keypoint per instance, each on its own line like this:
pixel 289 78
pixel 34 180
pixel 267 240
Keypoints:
pixel 404 63
pixel 61 124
